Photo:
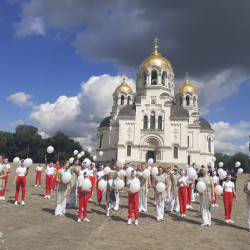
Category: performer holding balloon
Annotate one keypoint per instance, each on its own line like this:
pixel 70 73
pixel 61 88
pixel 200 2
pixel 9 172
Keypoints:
pixel 216 182
pixel 20 181
pixel 145 182
pixel 92 173
pixel 57 167
pixel 247 191
pixel 50 171
pixel 84 189
pixel 3 174
pixel 39 170
pixel 183 183
pixel 206 196
pixel 118 176
pixel 168 175
pixel 160 183
pixel 133 187
pixel 99 176
pixel 7 167
pixel 63 178
pixel 228 196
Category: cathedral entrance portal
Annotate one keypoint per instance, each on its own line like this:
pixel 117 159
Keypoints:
pixel 151 154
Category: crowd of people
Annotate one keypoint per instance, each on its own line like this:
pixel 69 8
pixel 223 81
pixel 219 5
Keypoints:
pixel 178 192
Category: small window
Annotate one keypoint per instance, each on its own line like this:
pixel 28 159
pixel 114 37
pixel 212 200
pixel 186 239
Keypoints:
pixel 188 141
pixel 194 101
pixel 209 145
pixel 187 100
pixel 164 77
pixel 180 100
pixel 122 100
pixel 145 122
pixel 128 102
pixel 160 122
pixel 189 160
pixel 100 144
pixel 152 120
pixel 175 153
pixel 144 79
pixel 154 77
pixel 129 150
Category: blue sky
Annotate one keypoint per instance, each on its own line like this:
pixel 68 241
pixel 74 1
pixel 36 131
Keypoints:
pixel 72 54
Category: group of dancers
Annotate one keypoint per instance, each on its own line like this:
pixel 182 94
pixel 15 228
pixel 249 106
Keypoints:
pixel 179 190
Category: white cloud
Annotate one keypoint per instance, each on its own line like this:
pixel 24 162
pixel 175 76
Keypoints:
pixel 20 98
pixel 229 148
pixel 30 25
pixel 80 116
pixel 16 123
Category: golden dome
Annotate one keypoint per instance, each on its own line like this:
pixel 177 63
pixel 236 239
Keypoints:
pixel 156 59
pixel 124 87
pixel 186 87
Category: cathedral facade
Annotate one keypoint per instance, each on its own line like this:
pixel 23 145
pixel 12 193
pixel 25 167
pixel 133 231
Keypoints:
pixel 155 122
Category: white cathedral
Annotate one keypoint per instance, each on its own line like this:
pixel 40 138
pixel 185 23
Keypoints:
pixel 155 122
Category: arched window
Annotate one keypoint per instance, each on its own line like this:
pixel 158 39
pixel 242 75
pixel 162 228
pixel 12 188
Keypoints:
pixel 194 101
pixel 144 78
pixel 180 100
pixel 188 141
pixel 129 150
pixel 187 100
pixel 152 120
pixel 160 122
pixel 189 160
pixel 154 77
pixel 145 122
pixel 209 145
pixel 122 100
pixel 100 141
pixel 164 77
pixel 129 98
pixel 175 153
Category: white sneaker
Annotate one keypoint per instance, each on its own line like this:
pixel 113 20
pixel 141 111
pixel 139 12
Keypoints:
pixel 3 198
pixel 87 220
pixel 188 206
pixel 209 225
pixel 231 221
pixel 15 204
pixel 184 215
pixel 197 194
pixel 227 221
pixel 136 223
pixel 115 208
pixel 202 225
pixel 35 186
pixel 154 202
pixel 40 186
pixel 46 196
pixel 90 199
pixel 212 205
pixel 107 214
pixel 216 205
pixel 129 222
pixel 23 203
pixel 79 220
pixel 191 207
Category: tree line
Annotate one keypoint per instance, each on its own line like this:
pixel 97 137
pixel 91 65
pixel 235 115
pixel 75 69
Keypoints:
pixel 26 142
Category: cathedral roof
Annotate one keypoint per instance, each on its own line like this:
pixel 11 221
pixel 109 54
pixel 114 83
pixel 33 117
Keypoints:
pixel 156 59
pixel 128 110
pixel 178 111
pixel 105 122
pixel 124 87
pixel 205 124
pixel 186 87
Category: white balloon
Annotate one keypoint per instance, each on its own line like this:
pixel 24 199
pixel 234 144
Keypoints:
pixel 94 158
pixel 223 175
pixel 160 187
pixel 209 164
pixel 102 184
pixel 119 184
pixel 237 164
pixel 213 159
pixel 128 171
pixel 120 162
pixel 149 168
pixel 123 172
pixel 134 187
pixel 87 161
pixel 221 164
pixel 50 149
pixel 16 160
pixel 71 160
pixel 240 171
pixel 66 177
pixel 75 152
pixel 201 186
pixel 89 150
pixel 146 173
pixel 101 153
pixel 79 156
pixel 28 162
pixel 150 161
pixel 106 170
pixel 86 184
pixel 220 170
pixel 248 186
pixel 155 171
pixel 82 153
pixel 218 189
pixel 191 173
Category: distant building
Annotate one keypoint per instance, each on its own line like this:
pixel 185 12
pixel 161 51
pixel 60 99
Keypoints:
pixel 155 122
